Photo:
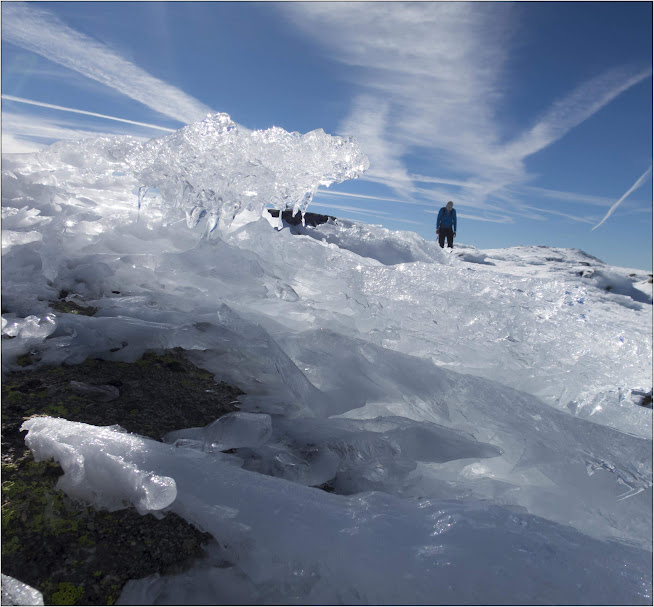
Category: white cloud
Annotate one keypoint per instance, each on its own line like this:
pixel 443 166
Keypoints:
pixel 561 214
pixel 368 122
pixel 490 219
pixel 440 180
pixel 29 133
pixel 434 65
pixel 572 197
pixel 378 214
pixel 336 193
pixel 636 185
pixel 436 69
pixel 43 33
pixel 342 207
pixel 12 144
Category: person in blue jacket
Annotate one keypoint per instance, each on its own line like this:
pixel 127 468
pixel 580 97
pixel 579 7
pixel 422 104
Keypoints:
pixel 446 224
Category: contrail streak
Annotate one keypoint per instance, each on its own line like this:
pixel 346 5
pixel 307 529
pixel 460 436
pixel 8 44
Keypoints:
pixel 69 109
pixel 39 31
pixel 636 185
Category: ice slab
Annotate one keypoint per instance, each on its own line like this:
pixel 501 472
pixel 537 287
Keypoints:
pixel 300 545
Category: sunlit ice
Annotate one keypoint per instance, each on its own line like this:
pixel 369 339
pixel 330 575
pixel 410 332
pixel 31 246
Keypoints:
pixel 476 413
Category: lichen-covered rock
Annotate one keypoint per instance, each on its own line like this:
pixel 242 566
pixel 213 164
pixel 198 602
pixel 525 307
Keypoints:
pixel 68 551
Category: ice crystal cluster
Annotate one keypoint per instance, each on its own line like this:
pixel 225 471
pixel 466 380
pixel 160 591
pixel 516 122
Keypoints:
pixel 215 170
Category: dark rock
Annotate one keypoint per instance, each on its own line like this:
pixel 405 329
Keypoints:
pixel 67 550
pixel 104 393
pixel 310 219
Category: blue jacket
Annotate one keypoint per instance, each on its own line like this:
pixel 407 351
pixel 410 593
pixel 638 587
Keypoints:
pixel 446 219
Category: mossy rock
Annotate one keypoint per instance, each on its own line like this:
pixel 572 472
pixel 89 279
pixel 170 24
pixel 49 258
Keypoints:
pixel 70 307
pixel 69 551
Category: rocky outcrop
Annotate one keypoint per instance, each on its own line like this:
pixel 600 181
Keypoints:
pixel 310 219
pixel 69 551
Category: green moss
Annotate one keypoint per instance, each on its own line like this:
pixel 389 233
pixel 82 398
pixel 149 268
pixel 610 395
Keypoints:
pixel 111 599
pixel 13 394
pixel 25 360
pixel 67 594
pixel 12 546
pixel 35 503
pixel 41 467
pixel 56 410
pixel 37 519
pixel 70 307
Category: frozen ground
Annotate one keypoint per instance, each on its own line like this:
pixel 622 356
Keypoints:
pixel 474 411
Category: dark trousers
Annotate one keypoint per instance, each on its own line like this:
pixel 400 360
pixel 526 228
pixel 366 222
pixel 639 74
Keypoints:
pixel 442 233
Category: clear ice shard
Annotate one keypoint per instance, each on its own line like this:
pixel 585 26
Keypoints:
pixel 238 429
pixel 215 169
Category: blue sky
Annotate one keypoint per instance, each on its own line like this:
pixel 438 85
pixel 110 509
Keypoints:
pixel 535 118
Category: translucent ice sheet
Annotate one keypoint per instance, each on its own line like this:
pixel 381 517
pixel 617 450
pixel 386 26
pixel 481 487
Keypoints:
pixel 477 408
pixel 294 544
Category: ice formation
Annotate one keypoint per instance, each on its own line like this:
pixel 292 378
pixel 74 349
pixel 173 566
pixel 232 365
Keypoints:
pixel 297 544
pixel 97 468
pixel 216 171
pixel 471 412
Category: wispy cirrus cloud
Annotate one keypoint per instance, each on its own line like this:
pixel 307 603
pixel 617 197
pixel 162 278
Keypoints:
pixel 43 33
pixel 560 214
pixel 27 132
pixel 336 193
pixel 571 197
pixel 437 69
pixel 368 213
pixel 573 109
pixel 12 144
pixel 369 121
pixel 421 61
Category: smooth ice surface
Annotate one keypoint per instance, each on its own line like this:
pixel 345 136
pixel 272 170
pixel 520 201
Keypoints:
pixel 472 411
